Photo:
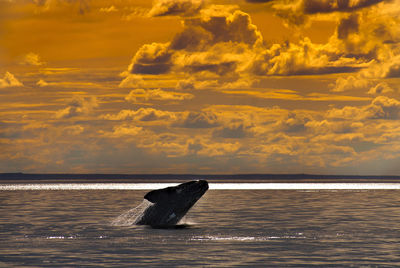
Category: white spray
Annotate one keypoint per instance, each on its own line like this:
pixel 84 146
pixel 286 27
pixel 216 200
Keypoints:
pixel 131 216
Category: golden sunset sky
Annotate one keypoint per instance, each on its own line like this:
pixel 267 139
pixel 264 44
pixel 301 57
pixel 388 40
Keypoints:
pixel 192 86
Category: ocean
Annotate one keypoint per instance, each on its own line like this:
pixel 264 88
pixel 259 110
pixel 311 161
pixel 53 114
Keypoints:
pixel 232 225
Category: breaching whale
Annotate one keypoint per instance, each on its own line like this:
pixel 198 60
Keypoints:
pixel 172 203
pixel 164 208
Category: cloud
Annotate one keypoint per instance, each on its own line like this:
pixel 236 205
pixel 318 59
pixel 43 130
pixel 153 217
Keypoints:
pixel 138 95
pixel 42 83
pixel 152 58
pixel 212 149
pixel 135 12
pixel 73 130
pixel 203 119
pixel 132 80
pixel 267 94
pixel 301 59
pixel 125 130
pixel 234 123
pixel 381 107
pixel 222 62
pixel 250 117
pixel 77 106
pixel 366 36
pixel 372 36
pixel 327 6
pixel 221 135
pixel 348 26
pixel 380 89
pixel 108 9
pixel 391 68
pixel 215 25
pixel 54 5
pixel 348 130
pixel 221 48
pixel 347 112
pixel 218 43
pixel 297 12
pixel 142 114
pixel 9 80
pixel 32 59
pixel 387 67
pixel 349 83
pixel 293 122
pixel 232 131
pixel 175 7
pixel 208 148
pixel 58 70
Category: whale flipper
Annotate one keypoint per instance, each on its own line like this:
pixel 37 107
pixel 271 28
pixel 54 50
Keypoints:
pixel 160 195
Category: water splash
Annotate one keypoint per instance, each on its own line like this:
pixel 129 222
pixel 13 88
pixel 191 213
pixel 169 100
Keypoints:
pixel 132 216
pixel 185 221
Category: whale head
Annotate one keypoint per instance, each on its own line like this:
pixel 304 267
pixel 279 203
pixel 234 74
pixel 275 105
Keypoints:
pixel 170 204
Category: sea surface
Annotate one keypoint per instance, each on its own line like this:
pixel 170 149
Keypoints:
pixel 232 225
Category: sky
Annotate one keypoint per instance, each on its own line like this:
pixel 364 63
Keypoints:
pixel 193 86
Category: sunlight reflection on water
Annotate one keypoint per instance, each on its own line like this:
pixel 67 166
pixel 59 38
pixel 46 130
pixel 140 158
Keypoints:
pixel 245 238
pixel 213 186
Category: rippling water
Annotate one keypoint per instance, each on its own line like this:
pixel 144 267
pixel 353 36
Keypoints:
pixel 226 228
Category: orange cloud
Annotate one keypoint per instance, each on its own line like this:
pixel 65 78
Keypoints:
pixel 296 12
pixel 380 89
pixel 108 9
pixel 77 106
pixel 175 7
pixel 381 107
pixel 138 95
pixel 32 59
pixel 142 114
pixel 9 80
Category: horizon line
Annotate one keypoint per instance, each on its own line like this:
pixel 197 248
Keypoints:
pixel 196 174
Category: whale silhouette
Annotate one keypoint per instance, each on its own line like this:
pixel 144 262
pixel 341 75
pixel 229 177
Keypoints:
pixel 168 205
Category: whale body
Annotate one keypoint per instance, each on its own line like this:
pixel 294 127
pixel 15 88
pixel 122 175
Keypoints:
pixel 168 205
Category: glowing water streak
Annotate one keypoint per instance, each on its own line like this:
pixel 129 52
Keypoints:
pixel 212 186
pixel 305 186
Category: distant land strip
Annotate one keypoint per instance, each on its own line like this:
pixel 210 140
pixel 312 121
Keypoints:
pixel 142 178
